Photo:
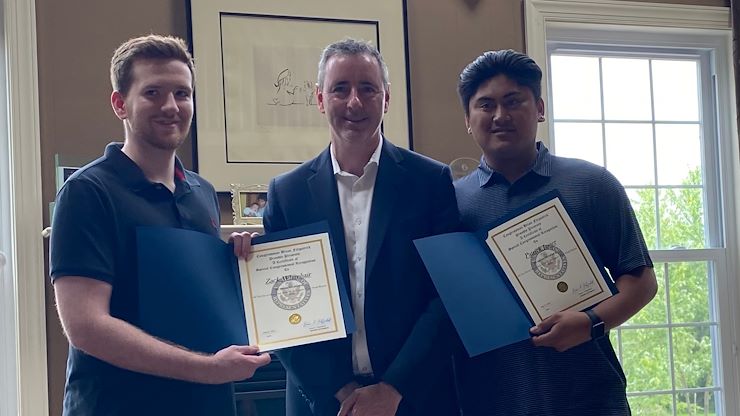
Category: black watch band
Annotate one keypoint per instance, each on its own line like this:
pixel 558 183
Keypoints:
pixel 597 325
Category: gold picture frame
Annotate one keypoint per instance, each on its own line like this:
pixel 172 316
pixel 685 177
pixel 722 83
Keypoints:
pixel 248 203
pixel 256 64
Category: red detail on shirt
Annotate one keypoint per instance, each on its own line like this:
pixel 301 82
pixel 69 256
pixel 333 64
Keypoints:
pixel 179 174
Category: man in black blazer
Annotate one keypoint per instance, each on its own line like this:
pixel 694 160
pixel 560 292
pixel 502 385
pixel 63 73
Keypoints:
pixel 377 199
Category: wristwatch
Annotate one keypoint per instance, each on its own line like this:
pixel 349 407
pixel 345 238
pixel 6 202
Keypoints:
pixel 597 325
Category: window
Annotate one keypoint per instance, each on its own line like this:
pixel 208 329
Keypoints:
pixel 646 115
pixel 650 104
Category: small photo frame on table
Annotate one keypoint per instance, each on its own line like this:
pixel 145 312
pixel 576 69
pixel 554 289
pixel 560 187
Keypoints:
pixel 257 69
pixel 248 203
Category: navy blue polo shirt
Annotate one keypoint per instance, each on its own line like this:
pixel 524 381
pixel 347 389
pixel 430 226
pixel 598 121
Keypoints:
pixel 94 235
pixel 522 379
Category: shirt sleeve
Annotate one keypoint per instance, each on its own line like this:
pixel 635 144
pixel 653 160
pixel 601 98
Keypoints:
pixel 82 241
pixel 620 242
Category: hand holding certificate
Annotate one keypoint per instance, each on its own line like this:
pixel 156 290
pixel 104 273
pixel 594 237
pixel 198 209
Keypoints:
pixel 290 293
pixel 194 292
pixel 498 282
pixel 547 262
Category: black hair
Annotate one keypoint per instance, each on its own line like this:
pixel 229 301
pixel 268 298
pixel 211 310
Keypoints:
pixel 515 65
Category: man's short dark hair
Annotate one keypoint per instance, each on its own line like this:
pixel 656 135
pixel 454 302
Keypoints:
pixel 351 47
pixel 515 65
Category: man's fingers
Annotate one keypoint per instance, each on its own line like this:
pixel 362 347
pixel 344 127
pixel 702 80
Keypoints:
pixel 542 340
pixel 544 326
pixel 242 243
pixel 247 349
pixel 348 404
pixel 262 359
pixel 234 239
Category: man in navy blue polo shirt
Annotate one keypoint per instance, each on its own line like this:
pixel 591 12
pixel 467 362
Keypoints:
pixel 114 368
pixel 568 368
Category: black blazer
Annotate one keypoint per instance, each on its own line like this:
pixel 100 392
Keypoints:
pixel 409 335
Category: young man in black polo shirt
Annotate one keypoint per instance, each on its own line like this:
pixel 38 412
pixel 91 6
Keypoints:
pixel 114 368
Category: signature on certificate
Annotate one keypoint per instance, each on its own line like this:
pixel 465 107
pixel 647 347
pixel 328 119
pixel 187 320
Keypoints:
pixel 317 324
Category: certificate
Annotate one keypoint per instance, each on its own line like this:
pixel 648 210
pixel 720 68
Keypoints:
pixel 290 293
pixel 194 292
pixel 547 262
pixel 499 281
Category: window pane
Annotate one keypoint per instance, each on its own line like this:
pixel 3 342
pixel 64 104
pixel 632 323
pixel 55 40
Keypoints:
pixel 643 203
pixel 692 357
pixel 676 90
pixel 689 291
pixel 681 218
pixel 696 403
pixel 614 339
pixel 580 140
pixel 658 405
pixel 679 154
pixel 626 89
pixel 645 359
pixel 629 153
pixel 583 102
pixel 655 311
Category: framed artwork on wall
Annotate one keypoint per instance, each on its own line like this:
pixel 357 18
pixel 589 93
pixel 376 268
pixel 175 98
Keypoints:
pixel 256 64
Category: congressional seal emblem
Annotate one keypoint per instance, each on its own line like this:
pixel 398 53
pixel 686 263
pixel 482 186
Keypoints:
pixel 291 292
pixel 548 262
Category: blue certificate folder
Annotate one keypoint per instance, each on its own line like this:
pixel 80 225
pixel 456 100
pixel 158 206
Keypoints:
pixel 479 299
pixel 190 291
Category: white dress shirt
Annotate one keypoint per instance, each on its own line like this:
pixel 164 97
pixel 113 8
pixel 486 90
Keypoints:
pixel 355 200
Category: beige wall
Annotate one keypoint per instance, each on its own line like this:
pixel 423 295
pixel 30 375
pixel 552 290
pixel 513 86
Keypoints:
pixel 76 120
pixel 444 36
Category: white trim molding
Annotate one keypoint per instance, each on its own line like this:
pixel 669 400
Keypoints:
pixel 539 14
pixel 27 277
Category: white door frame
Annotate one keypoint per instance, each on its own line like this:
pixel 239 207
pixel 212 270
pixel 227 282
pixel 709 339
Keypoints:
pixel 23 305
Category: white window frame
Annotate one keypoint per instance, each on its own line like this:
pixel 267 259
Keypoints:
pixel 23 383
pixel 544 15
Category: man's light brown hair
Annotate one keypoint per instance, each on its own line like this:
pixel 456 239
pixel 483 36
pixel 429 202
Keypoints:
pixel 146 47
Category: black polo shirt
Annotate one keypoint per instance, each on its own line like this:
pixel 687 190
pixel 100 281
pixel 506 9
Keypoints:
pixel 94 235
